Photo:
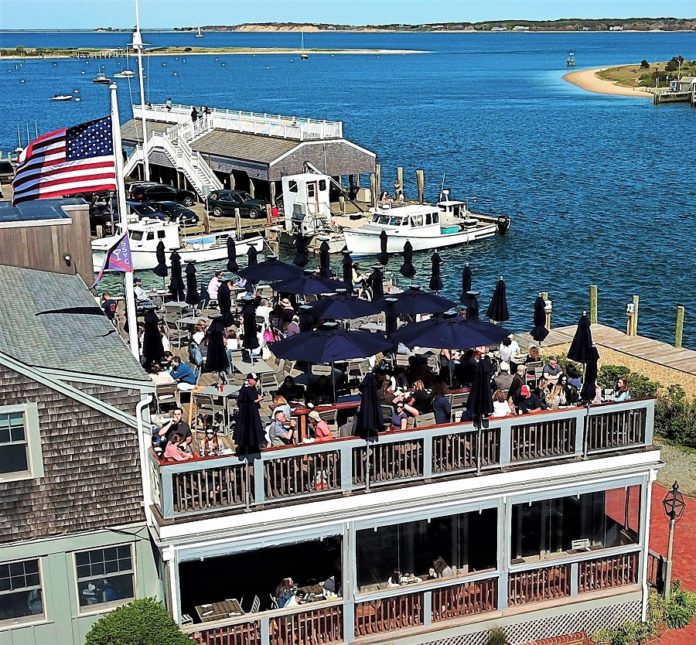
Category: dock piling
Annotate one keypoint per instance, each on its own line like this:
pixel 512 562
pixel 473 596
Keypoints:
pixel 377 188
pixel 373 189
pixel 238 223
pixel 679 330
pixel 547 308
pixel 399 184
pixel 420 181
pixel 636 301
pixel 593 304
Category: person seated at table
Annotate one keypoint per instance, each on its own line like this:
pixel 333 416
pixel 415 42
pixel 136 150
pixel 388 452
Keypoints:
pixel 420 399
pixel 231 341
pixel 527 401
pixel 440 569
pixel 400 379
pixel 176 425
pixel 183 375
pixel 279 402
pixel 621 391
pixel 552 370
pixel 386 392
pixel 508 349
pixel 395 579
pixel 285 592
pixel 320 428
pixel 572 395
pixel 141 296
pixel 287 312
pixel 159 376
pixel 439 404
pixel 290 390
pixel 533 355
pixel 280 432
pixel 503 379
pixel 399 418
pixel 574 379
pixel 516 384
pixel 174 450
pixel 166 345
pixel 501 407
pixel 211 443
pixel 320 391
pixel 465 369
pixel 554 395
pixel 199 330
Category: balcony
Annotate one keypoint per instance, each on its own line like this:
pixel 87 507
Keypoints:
pixel 422 606
pixel 308 472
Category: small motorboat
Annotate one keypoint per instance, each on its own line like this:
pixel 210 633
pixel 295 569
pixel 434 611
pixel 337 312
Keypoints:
pixel 62 97
pixel 101 78
pixel 126 73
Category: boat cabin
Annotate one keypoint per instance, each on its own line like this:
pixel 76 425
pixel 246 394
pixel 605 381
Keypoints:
pixel 305 200
pixel 146 234
pixel 406 217
pixel 454 208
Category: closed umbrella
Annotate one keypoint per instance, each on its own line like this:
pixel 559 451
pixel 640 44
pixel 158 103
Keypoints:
pixel 375 282
pixel 414 301
pixel 344 307
pixel 470 301
pixel 176 283
pixel 307 285
pixel 216 360
pixel 369 419
pixel 161 268
pixel 539 331
pixel 248 430
pixel 324 260
pixel 232 255
pixel 435 279
pixel 589 383
pixel 347 264
pixel 581 347
pixel 480 401
pixel 153 351
pixel 250 340
pixel 391 320
pixel 225 302
pixel 383 257
pixel 466 282
pixel 407 269
pixel 301 258
pixel 270 270
pixel 252 256
pixel 498 309
pixel 192 295
pixel 306 318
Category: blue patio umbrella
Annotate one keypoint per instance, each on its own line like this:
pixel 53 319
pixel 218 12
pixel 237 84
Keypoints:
pixel 161 268
pixel 498 308
pixel 192 295
pixel 347 265
pixel 539 331
pixel 176 282
pixel 407 269
pixel 324 260
pixel 216 360
pixel 450 333
pixel 252 256
pixel 270 270
pixel 248 430
pixel 383 257
pixel 341 306
pixel 308 285
pixel 466 282
pixel 414 300
pixel 232 255
pixel 301 258
pixel 435 278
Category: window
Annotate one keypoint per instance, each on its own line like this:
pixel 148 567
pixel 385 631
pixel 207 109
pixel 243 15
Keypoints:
pixel 160 235
pixel 150 235
pixel 322 185
pixel 21 595
pixel 104 575
pixel 292 186
pixel 311 188
pixel 136 235
pixel 416 220
pixel 428 219
pixel 20 442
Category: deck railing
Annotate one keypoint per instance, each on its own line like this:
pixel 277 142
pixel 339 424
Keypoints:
pixel 388 614
pixel 345 466
pixel 320 625
pixel 539 584
pixel 614 571
pixel 465 599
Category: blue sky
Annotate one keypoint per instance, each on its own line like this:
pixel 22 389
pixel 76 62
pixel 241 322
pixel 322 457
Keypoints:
pixel 77 14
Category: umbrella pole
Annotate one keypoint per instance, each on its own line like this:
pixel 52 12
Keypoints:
pixel 478 447
pixel 247 492
pixel 367 465
pixel 333 381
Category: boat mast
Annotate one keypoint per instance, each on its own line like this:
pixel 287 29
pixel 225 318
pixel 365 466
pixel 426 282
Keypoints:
pixel 138 47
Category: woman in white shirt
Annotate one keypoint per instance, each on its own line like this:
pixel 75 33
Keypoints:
pixel 508 349
pixel 501 408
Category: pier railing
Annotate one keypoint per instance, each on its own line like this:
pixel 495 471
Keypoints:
pixel 424 604
pixel 272 125
pixel 296 474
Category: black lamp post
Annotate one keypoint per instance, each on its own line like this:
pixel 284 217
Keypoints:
pixel 673 505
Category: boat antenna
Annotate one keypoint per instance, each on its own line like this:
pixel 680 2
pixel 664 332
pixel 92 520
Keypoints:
pixel 36 129
pixel 19 138
pixel 442 186
pixel 138 47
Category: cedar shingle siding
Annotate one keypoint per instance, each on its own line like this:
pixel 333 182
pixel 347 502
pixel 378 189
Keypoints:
pixel 91 464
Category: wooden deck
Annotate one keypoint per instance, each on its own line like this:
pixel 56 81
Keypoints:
pixel 634 347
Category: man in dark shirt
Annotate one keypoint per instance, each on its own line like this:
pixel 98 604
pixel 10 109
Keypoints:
pixel 527 401
pixel 109 307
pixel 516 385
pixel 176 425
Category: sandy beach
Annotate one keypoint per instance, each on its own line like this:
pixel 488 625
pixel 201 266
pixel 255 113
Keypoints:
pixel 588 80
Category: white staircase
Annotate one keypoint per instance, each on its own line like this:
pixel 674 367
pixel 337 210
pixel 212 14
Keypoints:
pixel 175 143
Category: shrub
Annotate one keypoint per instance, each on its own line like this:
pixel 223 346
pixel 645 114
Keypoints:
pixel 141 622
pixel 644 64
pixel 497 636
pixel 680 607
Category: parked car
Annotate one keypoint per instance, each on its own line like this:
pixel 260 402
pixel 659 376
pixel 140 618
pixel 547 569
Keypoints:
pixel 224 202
pixel 100 213
pixel 177 213
pixel 147 192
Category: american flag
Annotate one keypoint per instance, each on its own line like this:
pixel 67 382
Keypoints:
pixel 66 162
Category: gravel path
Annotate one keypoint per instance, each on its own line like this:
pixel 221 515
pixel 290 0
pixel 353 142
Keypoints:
pixel 680 466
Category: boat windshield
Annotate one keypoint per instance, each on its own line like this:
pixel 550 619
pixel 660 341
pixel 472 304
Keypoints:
pixel 136 235
pixel 388 220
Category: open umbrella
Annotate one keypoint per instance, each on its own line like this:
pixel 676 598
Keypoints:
pixel 347 264
pixel 252 256
pixel 301 258
pixel 369 419
pixel 248 430
pixel 589 383
pixel 383 257
pixel 216 360
pixel 161 268
pixel 466 282
pixel 341 306
pixel 435 279
pixel 250 340
pixel 450 333
pixel 324 260
pixel 413 301
pixel 225 303
pixel 192 295
pixel 270 270
pixel 581 347
pixel 153 351
pixel 375 282
pixel 498 309
pixel 176 283
pixel 307 285
pixel 232 255
pixel 407 269
pixel 539 331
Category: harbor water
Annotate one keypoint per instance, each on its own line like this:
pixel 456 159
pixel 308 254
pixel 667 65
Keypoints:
pixel 600 189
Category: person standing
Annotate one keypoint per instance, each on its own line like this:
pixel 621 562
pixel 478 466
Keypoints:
pixel 194 115
pixel 108 306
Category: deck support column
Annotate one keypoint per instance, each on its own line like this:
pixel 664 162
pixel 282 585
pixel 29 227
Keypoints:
pixel 679 329
pixel 252 188
pixel 349 582
pixel 593 304
pixel 504 536
pixel 232 181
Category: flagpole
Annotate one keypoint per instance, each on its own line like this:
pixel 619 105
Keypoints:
pixel 123 210
pixel 138 47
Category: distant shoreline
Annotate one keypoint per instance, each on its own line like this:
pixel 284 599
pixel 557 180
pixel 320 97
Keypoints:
pixel 588 80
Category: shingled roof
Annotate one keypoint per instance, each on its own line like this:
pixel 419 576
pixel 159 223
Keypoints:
pixel 51 320
pixel 239 145
pixel 133 129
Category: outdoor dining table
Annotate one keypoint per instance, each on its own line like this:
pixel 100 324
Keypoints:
pixel 187 320
pixel 229 390
pixel 259 366
pixel 176 305
pixel 219 610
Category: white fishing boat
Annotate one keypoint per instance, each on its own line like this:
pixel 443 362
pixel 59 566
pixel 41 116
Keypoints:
pixel 101 78
pixel 146 234
pixel 62 97
pixel 126 73
pixel 427 227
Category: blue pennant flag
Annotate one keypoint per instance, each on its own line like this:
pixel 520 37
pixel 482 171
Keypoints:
pixel 118 258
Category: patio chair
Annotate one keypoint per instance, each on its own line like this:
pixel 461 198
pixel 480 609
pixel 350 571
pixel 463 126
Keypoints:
pixel 166 393
pixel 174 331
pixel 255 605
pixel 427 419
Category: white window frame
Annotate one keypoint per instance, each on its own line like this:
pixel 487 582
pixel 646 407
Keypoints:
pixel 32 436
pixel 9 623
pixel 104 606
